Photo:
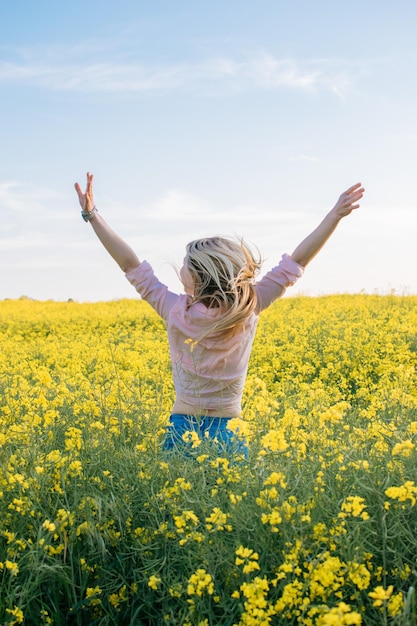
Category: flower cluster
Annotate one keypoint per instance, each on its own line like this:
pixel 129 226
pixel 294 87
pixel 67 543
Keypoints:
pixel 316 527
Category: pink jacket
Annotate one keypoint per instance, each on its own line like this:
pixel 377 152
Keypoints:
pixel 209 376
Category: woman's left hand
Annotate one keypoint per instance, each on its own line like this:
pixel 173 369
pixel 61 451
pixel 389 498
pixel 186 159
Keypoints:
pixel 86 199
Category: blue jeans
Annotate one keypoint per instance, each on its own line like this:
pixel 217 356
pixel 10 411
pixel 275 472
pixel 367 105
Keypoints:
pixel 211 429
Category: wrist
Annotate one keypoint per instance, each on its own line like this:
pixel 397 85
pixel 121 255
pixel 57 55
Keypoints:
pixel 333 217
pixel 88 215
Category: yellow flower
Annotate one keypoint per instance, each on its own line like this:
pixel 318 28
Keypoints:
pixel 217 520
pixel 116 598
pixel 17 614
pixel 199 583
pixel 395 604
pixel 75 468
pixel 404 448
pixel 274 440
pixel 185 521
pixel 73 438
pixel 248 558
pixel 190 436
pixel 92 591
pixel 9 536
pixel 239 427
pixel 381 595
pixel 360 575
pixel 48 525
pixel 340 615
pixel 273 518
pixel 354 506
pixel 257 608
pixel 276 478
pixel 407 491
pixel 92 594
pixel 154 582
pixel 12 567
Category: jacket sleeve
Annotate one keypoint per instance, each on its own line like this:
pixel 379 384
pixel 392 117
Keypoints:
pixel 151 289
pixel 274 284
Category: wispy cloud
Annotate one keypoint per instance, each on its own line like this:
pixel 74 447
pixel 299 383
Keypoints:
pixel 29 214
pixel 179 206
pixel 215 75
pixel 16 195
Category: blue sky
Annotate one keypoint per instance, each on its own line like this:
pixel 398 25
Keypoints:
pixel 234 117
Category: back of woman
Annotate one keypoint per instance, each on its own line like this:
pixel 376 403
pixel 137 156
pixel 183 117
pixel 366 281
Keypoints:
pixel 212 325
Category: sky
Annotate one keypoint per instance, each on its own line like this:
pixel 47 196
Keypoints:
pixel 238 117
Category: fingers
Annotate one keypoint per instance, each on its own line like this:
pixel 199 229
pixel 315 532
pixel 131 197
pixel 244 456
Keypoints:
pixel 89 186
pixel 349 200
pixel 356 191
pixel 78 189
pixel 355 186
pixel 351 195
pixel 354 197
pixel 89 182
pixel 86 199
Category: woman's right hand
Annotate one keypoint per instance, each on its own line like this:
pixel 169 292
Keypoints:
pixel 348 201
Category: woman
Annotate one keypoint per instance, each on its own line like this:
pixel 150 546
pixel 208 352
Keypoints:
pixel 212 325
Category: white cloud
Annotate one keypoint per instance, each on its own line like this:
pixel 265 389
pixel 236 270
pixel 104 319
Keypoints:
pixel 220 73
pixel 20 196
pixel 180 206
pixel 29 217
pixel 177 205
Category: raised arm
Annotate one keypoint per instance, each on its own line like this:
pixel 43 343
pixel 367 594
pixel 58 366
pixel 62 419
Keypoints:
pixel 312 244
pixel 121 252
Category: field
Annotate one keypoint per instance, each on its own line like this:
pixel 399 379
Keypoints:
pixel 317 527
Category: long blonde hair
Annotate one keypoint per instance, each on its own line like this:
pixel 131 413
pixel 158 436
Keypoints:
pixel 223 271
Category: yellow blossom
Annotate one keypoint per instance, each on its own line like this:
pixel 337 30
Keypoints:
pixel 360 575
pixel 274 440
pixel 12 567
pixel 191 437
pixel 340 615
pixel 395 604
pixel 404 448
pixel 154 582
pixel 248 558
pixel 276 478
pixel 48 525
pixel 381 595
pixel 217 520
pixel 354 506
pixel 200 582
pixel 402 493
pixel 92 591
pixel 17 614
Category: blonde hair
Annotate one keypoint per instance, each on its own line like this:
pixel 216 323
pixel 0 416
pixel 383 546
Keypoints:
pixel 223 272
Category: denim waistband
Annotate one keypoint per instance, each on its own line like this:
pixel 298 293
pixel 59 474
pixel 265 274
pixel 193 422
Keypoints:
pixel 208 428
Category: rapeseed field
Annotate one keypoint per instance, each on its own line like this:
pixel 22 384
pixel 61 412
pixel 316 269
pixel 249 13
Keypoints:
pixel 318 526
